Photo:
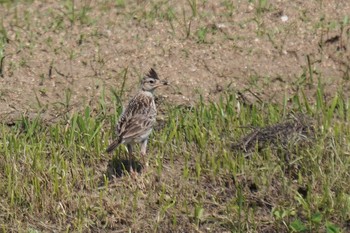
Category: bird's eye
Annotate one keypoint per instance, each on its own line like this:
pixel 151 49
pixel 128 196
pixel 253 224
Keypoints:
pixel 151 81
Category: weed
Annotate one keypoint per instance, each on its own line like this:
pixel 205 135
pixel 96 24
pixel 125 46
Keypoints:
pixel 74 14
pixel 120 3
pixel 54 165
pixel 261 6
pixel 194 7
pixel 202 34
pixel 56 177
pixel 229 7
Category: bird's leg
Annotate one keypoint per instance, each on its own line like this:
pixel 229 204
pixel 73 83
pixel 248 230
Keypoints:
pixel 131 158
pixel 143 153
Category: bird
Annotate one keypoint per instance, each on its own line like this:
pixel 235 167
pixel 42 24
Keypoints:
pixel 136 122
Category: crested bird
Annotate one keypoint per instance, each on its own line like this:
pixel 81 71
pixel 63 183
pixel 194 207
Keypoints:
pixel 138 118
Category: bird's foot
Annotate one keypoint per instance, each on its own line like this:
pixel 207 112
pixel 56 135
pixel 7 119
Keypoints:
pixel 145 164
pixel 145 167
pixel 132 172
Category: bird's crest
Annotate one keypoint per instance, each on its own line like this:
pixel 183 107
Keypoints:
pixel 152 74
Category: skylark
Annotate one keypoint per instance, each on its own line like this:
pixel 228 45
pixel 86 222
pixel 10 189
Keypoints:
pixel 138 118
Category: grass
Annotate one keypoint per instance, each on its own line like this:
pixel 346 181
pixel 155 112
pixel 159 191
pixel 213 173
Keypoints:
pixel 54 177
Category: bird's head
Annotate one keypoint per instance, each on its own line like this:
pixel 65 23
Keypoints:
pixel 151 81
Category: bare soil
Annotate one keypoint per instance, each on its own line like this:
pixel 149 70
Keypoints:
pixel 53 53
pixel 58 60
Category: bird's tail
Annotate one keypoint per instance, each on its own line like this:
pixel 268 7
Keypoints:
pixel 112 146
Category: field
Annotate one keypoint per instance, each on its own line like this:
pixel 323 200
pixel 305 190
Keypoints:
pixel 252 136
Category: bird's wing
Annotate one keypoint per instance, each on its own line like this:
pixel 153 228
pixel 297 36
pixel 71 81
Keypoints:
pixel 136 126
pixel 140 107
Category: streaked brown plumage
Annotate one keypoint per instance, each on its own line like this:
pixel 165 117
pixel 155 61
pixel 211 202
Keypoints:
pixel 137 120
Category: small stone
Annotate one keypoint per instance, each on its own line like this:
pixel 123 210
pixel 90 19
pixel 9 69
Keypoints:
pixel 284 18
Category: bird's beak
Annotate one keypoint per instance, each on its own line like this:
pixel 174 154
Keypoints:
pixel 162 83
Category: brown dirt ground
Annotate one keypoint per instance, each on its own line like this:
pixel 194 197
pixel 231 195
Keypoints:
pixel 47 54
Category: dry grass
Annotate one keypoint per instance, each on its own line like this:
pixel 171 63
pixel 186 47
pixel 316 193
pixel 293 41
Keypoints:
pixel 66 67
pixel 298 130
pixel 57 178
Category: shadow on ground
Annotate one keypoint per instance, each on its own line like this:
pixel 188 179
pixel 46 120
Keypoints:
pixel 119 167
